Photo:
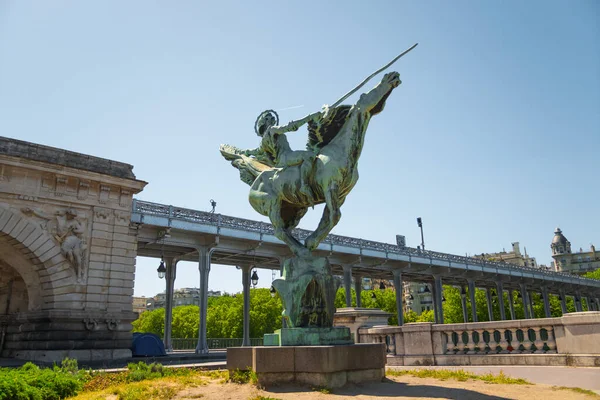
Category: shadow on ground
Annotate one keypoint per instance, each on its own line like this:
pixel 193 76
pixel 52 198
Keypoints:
pixel 390 388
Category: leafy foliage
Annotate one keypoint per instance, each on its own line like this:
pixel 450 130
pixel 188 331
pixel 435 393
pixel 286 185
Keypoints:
pixel 224 318
pixel 33 383
pixel 593 275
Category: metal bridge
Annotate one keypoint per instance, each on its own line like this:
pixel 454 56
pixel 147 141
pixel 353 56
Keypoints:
pixel 181 234
pixel 239 241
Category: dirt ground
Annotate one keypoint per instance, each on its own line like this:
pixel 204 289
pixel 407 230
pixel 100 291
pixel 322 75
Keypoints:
pixel 403 387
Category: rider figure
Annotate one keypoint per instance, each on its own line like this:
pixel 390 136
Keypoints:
pixel 275 150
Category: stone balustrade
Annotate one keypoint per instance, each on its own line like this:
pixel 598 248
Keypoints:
pixel 573 339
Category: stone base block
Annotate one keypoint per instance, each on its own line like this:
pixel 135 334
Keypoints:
pixel 329 366
pixel 309 337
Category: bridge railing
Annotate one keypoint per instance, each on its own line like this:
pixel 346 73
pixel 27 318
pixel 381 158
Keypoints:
pixel 453 344
pixel 184 214
pixel 213 343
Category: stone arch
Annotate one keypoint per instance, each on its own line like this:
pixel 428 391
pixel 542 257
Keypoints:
pixel 34 255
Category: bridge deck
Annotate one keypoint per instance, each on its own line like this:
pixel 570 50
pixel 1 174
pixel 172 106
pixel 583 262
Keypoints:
pixel 241 241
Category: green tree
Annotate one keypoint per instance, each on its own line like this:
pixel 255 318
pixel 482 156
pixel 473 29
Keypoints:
pixel 224 317
pixel 593 274
pixel 151 322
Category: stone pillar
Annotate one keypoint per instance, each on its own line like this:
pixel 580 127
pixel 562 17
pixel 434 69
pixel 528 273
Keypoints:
pixel 500 291
pixel 437 299
pixel 488 293
pixel 463 302
pixel 563 301
pixel 204 253
pixel 358 290
pixel 348 284
pixel 171 265
pixel 546 297
pixel 511 305
pixel 399 295
pixel 471 284
pixel 246 289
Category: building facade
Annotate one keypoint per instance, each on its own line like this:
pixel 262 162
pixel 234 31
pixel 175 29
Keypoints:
pixel 140 304
pixel 567 261
pixel 512 257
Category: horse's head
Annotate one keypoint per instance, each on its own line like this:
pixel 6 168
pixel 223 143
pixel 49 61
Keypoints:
pixel 389 82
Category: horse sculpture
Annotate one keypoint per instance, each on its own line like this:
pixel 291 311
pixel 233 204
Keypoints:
pixel 336 137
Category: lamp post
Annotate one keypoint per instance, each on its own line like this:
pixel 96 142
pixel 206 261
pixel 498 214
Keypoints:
pixel 420 224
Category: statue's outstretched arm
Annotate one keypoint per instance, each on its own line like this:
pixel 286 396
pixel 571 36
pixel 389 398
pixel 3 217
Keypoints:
pixel 294 125
pixel 252 152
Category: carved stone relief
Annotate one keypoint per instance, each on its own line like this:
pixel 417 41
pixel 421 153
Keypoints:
pixel 68 229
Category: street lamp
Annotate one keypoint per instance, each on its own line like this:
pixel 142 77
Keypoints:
pixel 254 278
pixel 162 270
pixel 272 291
pixel 381 286
pixel 426 290
pixel 420 224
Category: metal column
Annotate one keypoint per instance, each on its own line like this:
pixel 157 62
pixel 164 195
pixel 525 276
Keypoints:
pixel 463 302
pixel 488 293
pixel 171 265
pixel 500 292
pixel 563 301
pixel 471 284
pixel 204 269
pixel 348 284
pixel 525 302
pixel 246 295
pixel 358 290
pixel 530 297
pixel 546 297
pixel 398 287
pixel 439 309
pixel 511 305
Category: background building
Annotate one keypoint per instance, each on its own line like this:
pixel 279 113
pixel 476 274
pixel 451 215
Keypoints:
pixel 567 261
pixel 513 257
pixel 140 304
pixel 181 297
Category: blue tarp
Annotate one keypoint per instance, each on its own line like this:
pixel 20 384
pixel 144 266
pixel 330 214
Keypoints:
pixel 148 345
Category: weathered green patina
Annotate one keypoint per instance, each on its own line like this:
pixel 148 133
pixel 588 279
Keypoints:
pixel 284 183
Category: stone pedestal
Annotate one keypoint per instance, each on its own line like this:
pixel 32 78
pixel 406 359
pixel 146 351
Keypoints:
pixel 326 366
pixel 309 337
pixel 356 317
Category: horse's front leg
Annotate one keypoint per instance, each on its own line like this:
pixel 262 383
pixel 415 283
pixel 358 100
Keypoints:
pixel 331 216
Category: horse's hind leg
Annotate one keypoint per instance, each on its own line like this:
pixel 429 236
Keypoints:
pixel 283 233
pixel 331 216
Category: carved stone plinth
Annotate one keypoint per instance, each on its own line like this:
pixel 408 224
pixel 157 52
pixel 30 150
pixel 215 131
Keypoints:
pixel 307 289
pixel 328 366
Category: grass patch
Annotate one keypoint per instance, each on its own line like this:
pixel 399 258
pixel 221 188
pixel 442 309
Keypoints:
pixel 578 390
pixel 459 375
pixel 243 376
pixel 263 398
pixel 324 390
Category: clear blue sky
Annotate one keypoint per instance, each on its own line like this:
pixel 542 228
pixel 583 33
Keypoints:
pixel 493 137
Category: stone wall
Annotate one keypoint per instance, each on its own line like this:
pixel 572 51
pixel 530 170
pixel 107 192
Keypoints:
pixel 66 246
